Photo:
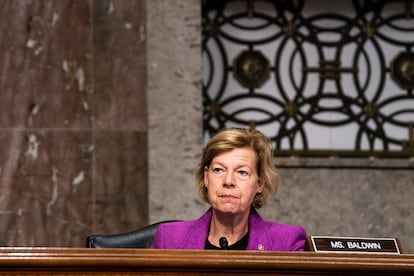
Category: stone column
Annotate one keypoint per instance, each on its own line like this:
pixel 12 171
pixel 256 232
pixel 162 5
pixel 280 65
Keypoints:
pixel 175 107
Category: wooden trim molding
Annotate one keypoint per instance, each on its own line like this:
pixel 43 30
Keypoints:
pixel 75 261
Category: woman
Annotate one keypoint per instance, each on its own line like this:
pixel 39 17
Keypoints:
pixel 236 176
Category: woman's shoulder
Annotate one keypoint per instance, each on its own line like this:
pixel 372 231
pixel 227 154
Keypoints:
pixel 186 234
pixel 276 236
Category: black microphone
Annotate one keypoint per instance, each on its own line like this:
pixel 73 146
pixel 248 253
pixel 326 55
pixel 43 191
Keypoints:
pixel 223 243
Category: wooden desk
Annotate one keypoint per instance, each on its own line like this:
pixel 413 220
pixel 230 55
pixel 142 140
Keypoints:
pixel 87 261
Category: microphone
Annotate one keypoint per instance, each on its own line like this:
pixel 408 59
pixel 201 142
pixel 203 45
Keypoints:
pixel 223 243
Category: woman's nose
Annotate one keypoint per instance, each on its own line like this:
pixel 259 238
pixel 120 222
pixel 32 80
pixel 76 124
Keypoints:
pixel 229 179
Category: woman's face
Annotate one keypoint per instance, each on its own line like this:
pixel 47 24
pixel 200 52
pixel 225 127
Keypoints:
pixel 232 181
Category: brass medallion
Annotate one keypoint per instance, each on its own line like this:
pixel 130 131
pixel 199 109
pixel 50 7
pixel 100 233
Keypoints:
pixel 402 70
pixel 251 69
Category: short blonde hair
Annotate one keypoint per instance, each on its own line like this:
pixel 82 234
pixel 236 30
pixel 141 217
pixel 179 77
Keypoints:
pixel 229 139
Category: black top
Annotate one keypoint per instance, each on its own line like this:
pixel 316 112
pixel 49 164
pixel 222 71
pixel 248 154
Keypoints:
pixel 240 245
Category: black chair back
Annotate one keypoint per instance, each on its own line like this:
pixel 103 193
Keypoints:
pixel 141 238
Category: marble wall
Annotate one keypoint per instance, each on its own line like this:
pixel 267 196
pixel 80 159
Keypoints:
pixel 73 120
pixel 175 107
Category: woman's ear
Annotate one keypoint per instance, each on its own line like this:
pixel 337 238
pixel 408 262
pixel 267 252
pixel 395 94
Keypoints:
pixel 205 176
pixel 260 186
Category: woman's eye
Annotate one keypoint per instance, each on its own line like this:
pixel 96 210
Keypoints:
pixel 243 173
pixel 217 170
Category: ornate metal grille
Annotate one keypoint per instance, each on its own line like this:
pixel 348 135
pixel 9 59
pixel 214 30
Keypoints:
pixel 318 77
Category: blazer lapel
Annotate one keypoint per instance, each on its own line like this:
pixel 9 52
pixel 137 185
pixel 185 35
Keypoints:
pixel 197 232
pixel 258 236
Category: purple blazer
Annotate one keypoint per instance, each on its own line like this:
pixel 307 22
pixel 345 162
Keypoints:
pixel 263 235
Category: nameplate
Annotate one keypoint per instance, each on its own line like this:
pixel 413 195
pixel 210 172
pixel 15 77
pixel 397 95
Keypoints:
pixel 354 245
